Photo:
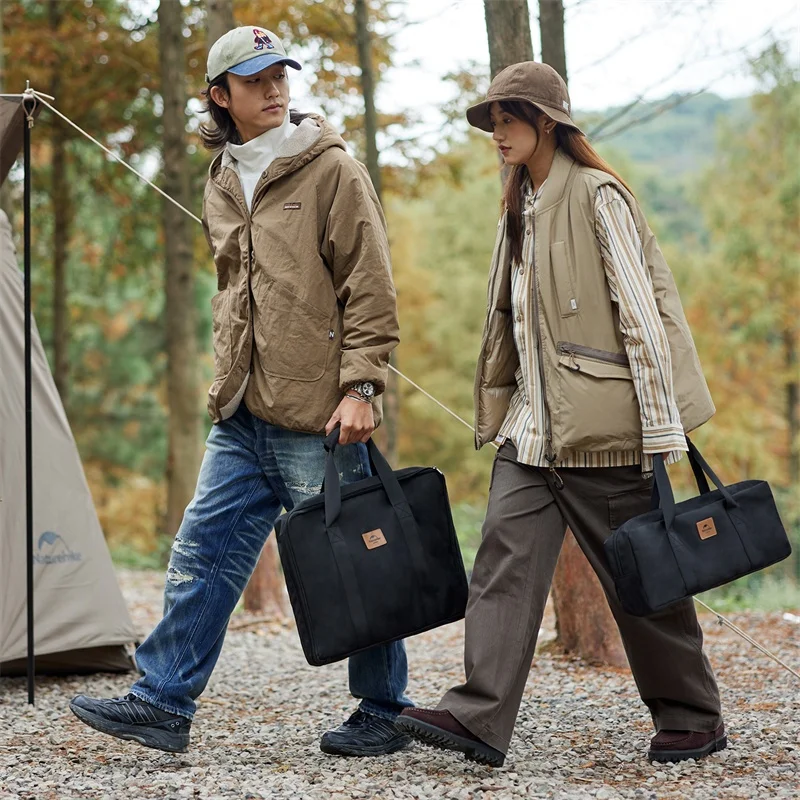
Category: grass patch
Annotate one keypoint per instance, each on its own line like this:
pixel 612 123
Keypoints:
pixel 755 593
pixel 468 519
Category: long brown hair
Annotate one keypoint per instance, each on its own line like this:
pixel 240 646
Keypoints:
pixel 570 140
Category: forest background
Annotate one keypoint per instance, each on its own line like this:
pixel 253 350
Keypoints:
pixel 718 178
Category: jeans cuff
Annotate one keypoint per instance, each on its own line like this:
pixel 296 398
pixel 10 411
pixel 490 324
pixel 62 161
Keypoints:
pixel 159 704
pixel 383 711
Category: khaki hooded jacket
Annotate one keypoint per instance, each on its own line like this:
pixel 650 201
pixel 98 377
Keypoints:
pixel 306 305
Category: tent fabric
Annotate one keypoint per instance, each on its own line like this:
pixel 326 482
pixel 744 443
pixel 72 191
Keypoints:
pixel 78 605
pixel 12 119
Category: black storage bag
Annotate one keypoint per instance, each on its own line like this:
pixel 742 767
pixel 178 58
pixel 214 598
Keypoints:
pixel 678 550
pixel 373 561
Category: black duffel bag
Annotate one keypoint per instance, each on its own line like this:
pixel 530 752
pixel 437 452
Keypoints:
pixel 677 550
pixel 373 561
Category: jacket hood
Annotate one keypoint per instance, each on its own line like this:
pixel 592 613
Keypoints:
pixel 314 135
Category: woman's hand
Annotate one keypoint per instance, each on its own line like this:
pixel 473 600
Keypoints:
pixel 356 418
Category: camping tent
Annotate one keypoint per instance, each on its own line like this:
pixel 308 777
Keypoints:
pixel 81 622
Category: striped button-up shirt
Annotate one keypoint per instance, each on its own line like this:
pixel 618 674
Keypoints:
pixel 645 340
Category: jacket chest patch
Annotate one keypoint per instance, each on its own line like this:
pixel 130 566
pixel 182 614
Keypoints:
pixel 292 206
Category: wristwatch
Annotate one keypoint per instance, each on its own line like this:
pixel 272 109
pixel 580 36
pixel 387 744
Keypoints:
pixel 365 389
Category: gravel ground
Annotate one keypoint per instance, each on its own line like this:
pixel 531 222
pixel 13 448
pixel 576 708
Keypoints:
pixel 581 732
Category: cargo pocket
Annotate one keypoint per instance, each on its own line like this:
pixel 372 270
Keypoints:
pixel 562 278
pixel 627 505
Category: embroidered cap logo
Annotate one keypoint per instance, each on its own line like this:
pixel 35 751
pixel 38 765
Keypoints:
pixel 261 40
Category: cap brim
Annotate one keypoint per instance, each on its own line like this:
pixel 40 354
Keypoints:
pixel 478 115
pixel 256 64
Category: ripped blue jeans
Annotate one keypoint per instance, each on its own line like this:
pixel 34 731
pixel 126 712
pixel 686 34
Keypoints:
pixel 250 471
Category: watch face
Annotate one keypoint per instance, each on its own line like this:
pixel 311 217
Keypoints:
pixel 368 389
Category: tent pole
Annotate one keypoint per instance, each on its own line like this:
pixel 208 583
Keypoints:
pixel 27 125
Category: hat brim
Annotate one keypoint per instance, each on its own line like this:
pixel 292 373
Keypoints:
pixel 478 115
pixel 257 63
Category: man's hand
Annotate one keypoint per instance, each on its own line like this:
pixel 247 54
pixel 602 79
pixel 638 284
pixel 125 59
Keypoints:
pixel 357 420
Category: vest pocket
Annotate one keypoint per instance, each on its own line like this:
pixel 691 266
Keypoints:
pixel 594 362
pixel 562 279
pixel 597 407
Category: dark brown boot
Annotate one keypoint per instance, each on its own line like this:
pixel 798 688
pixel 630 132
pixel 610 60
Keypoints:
pixel 682 745
pixel 442 730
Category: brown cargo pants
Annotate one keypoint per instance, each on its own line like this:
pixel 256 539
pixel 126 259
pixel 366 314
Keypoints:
pixel 525 525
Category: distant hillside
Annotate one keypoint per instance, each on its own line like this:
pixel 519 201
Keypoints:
pixel 679 141
pixel 664 157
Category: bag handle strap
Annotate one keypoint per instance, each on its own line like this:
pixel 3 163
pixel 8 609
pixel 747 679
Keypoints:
pixel 662 489
pixel 699 478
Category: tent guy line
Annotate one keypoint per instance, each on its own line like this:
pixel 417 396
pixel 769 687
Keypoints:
pixel 722 620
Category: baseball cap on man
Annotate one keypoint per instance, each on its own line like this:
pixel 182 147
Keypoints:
pixel 245 51
pixel 530 82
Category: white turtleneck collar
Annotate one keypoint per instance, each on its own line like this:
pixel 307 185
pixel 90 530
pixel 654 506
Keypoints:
pixel 254 157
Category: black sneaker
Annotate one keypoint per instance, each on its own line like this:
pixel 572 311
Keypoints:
pixel 364 735
pixel 131 718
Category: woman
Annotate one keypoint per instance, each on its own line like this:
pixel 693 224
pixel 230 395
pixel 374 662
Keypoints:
pixel 304 322
pixel 587 369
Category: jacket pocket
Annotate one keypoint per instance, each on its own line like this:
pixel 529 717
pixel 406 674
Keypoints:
pixel 294 338
pixel 221 332
pixel 562 279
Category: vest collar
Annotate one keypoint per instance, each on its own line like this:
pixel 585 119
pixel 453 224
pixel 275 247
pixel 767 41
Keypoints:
pixel 561 173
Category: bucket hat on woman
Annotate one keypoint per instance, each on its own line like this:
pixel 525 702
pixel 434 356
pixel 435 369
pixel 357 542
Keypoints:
pixel 528 82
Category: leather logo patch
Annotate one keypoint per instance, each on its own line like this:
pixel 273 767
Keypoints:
pixel 706 528
pixel 374 539
pixel 292 206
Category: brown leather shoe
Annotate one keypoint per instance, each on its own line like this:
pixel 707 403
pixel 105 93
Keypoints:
pixel 682 745
pixel 442 730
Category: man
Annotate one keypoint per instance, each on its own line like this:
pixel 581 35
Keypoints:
pixel 303 325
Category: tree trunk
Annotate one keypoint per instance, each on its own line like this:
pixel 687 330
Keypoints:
pixel 219 19
pixel 179 315
pixel 368 90
pixel 551 27
pixel 508 26
pixel 264 592
pixel 792 401
pixel 60 195
pixel 584 621
pixel 391 399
